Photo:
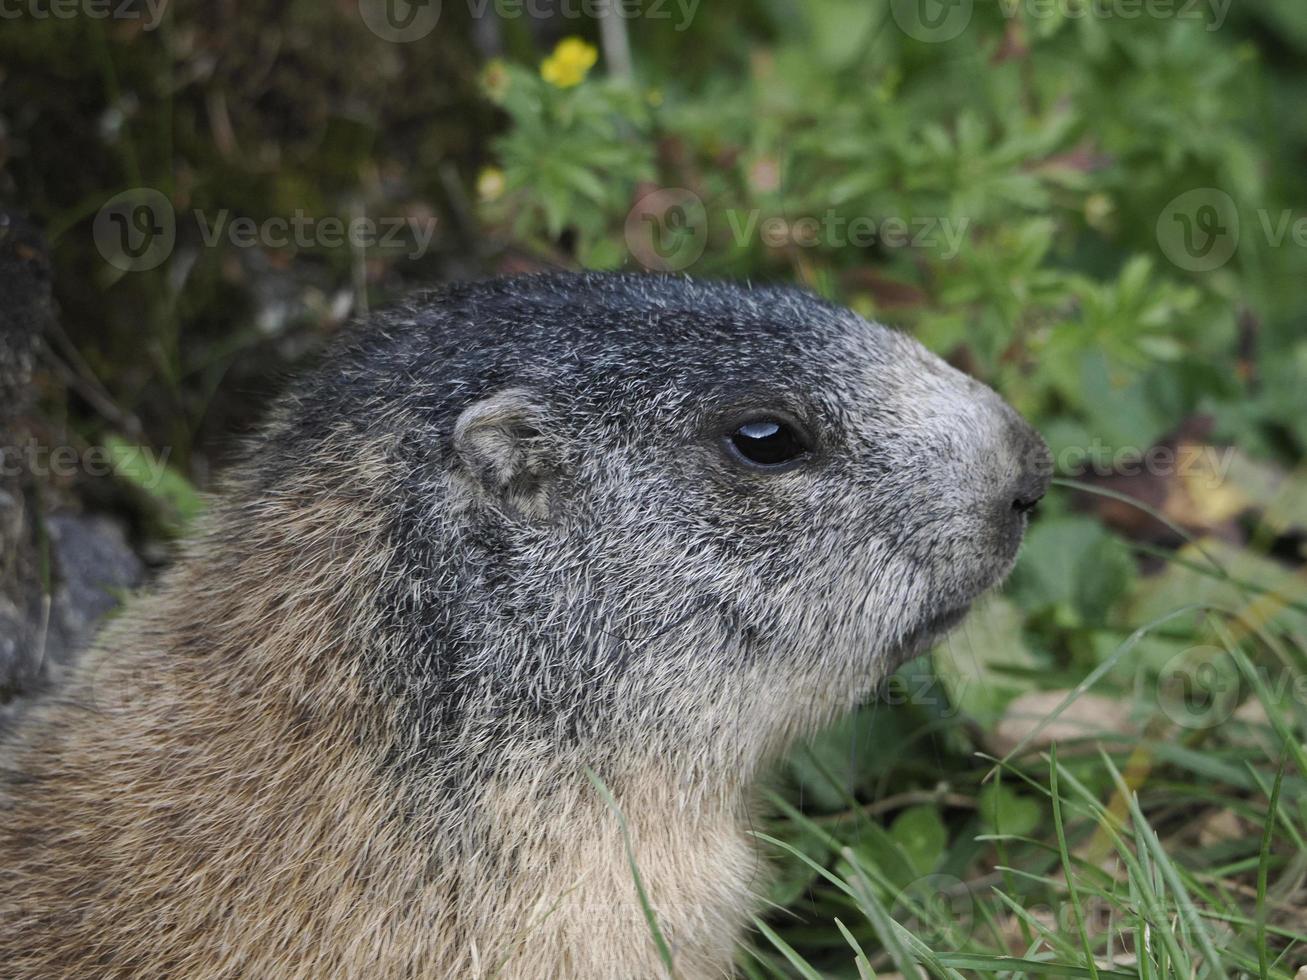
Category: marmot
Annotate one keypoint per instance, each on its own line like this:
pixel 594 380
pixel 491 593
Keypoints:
pixel 509 537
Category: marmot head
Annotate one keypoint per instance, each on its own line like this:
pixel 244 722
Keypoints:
pixel 620 502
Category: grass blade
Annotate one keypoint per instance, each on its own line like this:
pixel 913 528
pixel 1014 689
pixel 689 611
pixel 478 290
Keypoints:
pixel 1068 872
pixel 660 941
pixel 798 962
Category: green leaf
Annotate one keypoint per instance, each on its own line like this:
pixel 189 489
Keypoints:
pixel 1072 563
pixel 921 834
pixel 968 661
pixel 1005 811
pixel 146 469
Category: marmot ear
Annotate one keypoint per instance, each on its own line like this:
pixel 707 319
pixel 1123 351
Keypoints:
pixel 502 453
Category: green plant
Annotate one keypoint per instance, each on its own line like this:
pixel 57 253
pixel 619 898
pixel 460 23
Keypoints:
pixel 1022 185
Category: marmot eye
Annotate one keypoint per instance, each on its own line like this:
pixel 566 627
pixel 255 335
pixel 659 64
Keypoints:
pixel 767 442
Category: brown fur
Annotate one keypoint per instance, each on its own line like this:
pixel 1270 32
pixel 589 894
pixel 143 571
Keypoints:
pixel 201 810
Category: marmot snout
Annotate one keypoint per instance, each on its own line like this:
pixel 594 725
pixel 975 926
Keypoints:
pixel 510 532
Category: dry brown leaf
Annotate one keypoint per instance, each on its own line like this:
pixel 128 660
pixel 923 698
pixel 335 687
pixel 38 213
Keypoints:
pixel 1085 717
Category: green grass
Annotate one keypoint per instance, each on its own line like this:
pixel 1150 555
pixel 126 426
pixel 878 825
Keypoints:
pixel 1172 850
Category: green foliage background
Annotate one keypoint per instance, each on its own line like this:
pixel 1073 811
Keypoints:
pixel 1056 141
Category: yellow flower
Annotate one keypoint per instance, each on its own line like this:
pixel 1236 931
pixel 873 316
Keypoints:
pixel 490 184
pixel 569 63
pixel 1099 209
pixel 495 80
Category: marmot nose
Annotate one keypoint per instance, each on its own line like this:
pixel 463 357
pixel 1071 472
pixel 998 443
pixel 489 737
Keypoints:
pixel 1034 467
pixel 1024 504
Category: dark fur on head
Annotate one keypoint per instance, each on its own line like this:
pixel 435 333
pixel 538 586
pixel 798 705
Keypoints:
pixel 499 538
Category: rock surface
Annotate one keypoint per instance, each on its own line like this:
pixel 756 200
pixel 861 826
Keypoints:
pixel 61 572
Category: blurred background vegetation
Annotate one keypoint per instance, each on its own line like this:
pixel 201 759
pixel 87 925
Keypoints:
pixel 1097 208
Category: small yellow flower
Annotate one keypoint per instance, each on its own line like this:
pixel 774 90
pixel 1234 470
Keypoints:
pixel 1099 209
pixel 490 184
pixel 495 80
pixel 569 63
